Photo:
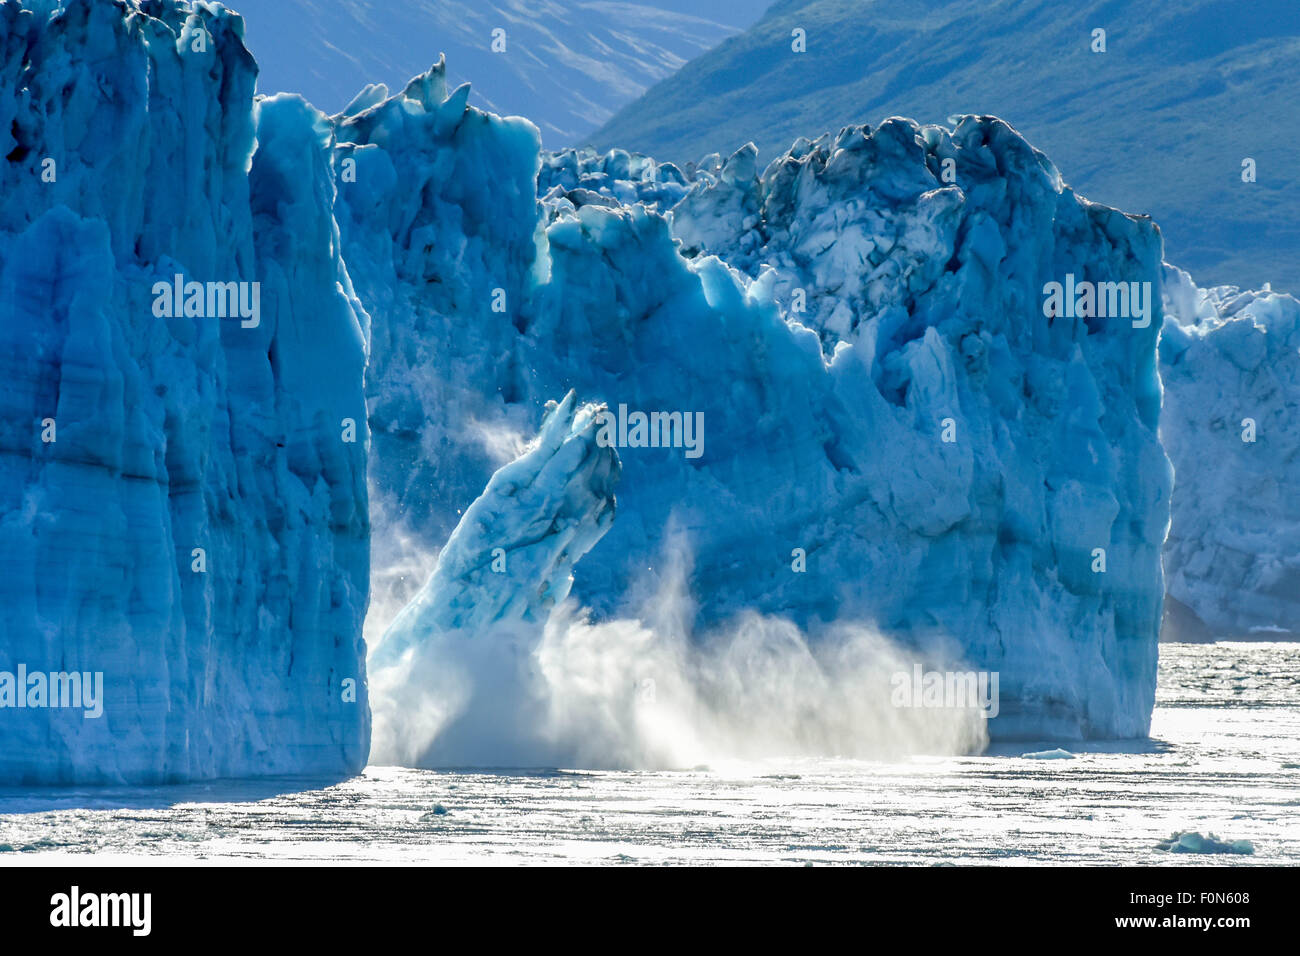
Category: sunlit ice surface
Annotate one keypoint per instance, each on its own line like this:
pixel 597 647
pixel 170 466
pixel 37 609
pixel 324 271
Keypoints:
pixel 1223 756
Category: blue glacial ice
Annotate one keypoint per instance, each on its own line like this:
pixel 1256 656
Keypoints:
pixel 826 491
pixel 901 458
pixel 1230 556
pixel 179 510
pixel 1230 361
pixel 497 581
pixel 490 664
pixel 1194 842
pixel 535 520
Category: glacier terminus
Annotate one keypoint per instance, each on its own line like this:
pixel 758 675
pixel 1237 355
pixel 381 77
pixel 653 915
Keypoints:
pixel 390 436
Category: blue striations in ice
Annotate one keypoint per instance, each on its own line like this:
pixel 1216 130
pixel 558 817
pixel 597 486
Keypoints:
pixel 891 429
pixel 1230 361
pixel 183 507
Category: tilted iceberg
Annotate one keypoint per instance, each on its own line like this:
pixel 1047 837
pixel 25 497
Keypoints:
pixel 511 557
pixel 183 508
pixel 504 571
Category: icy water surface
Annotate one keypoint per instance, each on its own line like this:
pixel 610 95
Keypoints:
pixel 1224 756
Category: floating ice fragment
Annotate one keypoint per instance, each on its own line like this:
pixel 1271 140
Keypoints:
pixel 1193 842
pixel 1057 754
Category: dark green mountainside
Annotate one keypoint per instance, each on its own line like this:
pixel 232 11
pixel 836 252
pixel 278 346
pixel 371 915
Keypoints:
pixel 1159 123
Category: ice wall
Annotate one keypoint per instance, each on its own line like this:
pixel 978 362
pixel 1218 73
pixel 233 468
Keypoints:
pixel 885 426
pixel 1230 360
pixel 944 459
pixel 182 507
pixel 1229 558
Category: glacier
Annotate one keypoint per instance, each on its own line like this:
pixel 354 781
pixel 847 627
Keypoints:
pixel 179 508
pixel 906 459
pixel 826 442
pixel 1231 552
pixel 1230 361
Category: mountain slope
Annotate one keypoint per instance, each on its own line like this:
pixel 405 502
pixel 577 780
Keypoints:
pixel 567 64
pixel 1159 123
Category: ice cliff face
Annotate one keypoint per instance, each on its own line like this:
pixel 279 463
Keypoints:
pixel 837 389
pixel 1230 361
pixel 182 506
pixel 944 459
pixel 1224 352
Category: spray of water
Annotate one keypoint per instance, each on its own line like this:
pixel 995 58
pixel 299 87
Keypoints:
pixel 399 566
pixel 647 692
